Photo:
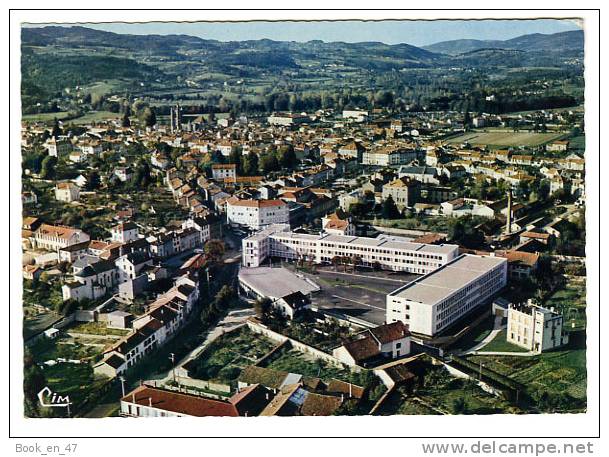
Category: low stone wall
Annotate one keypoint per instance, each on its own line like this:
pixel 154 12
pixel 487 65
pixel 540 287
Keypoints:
pixel 82 315
pixel 385 378
pixel 460 374
pixel 316 353
pixel 201 384
pixel 263 361
pixel 381 400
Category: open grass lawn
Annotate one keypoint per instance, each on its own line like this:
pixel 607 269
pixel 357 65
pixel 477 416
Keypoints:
pixel 70 379
pixel 95 116
pixel 295 361
pixel 556 372
pixel 46 349
pixel 500 344
pixel 96 328
pixel 443 392
pixel 44 117
pixel 476 335
pixel 224 359
pixel 506 138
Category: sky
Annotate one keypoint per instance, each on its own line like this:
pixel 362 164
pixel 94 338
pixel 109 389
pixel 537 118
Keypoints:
pixel 417 33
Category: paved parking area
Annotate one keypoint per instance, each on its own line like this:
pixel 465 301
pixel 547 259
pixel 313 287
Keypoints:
pixel 360 295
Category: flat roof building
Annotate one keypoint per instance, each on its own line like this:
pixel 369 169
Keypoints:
pixel 278 241
pixel 274 283
pixel 438 299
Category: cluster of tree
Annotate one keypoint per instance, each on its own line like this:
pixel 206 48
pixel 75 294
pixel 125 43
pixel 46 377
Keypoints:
pixel 46 75
pixel 572 239
pixel 464 231
pixel 34 381
pixel 32 160
pixel 213 309
pixel 143 111
pixel 214 250
pixel 390 209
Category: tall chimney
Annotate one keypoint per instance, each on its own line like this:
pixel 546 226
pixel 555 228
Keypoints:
pixel 508 226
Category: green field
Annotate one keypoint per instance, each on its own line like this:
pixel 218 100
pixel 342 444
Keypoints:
pixel 224 359
pixel 443 394
pixel 44 117
pixel 570 301
pixel 556 373
pixel 475 335
pixel 506 138
pixel 96 328
pixel 500 344
pixel 95 116
pixel 294 361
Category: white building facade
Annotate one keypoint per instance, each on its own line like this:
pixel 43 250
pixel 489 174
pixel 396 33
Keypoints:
pixel 256 214
pixel 535 328
pixel 437 300
pixel 280 242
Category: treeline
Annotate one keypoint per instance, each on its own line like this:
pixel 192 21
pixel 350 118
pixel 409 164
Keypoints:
pixel 45 74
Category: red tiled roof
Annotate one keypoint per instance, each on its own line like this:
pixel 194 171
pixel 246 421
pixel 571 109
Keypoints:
pixel 176 402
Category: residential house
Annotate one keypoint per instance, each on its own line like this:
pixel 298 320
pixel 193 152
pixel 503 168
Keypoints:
pixel 67 192
pixel 375 345
pixel 55 237
pixel 535 328
pixel 404 191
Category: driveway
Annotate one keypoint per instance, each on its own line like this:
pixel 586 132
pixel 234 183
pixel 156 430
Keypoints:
pixel 497 327
pixel 232 320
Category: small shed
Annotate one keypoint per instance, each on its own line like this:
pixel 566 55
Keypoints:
pixel 51 333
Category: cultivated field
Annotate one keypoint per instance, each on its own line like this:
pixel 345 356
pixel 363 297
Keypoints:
pixel 506 138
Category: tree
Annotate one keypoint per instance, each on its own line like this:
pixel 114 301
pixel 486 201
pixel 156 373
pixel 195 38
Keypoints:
pixel 56 132
pixel 390 209
pixel 223 298
pixel 48 167
pixel 250 165
pixel 464 231
pixel 459 406
pixel 148 117
pixel 269 162
pixel 33 161
pixel 126 122
pixel 214 249
pixel 141 178
pixel 287 157
pixel 235 158
pixel 93 180
pixel 262 306
pixel 33 382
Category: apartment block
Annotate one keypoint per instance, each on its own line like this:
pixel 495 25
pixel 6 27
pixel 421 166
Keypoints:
pixel 278 241
pixel 440 298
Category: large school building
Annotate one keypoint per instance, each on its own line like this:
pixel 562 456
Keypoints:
pixel 440 298
pixel 279 242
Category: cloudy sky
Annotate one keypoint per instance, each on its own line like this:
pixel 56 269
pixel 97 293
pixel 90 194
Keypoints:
pixel 418 33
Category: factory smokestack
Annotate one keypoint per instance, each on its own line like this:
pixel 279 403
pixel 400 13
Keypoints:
pixel 508 225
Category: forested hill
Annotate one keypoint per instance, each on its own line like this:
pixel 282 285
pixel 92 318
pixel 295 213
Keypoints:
pixel 556 42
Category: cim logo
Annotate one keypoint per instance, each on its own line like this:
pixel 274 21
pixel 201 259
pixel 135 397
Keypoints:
pixel 49 398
